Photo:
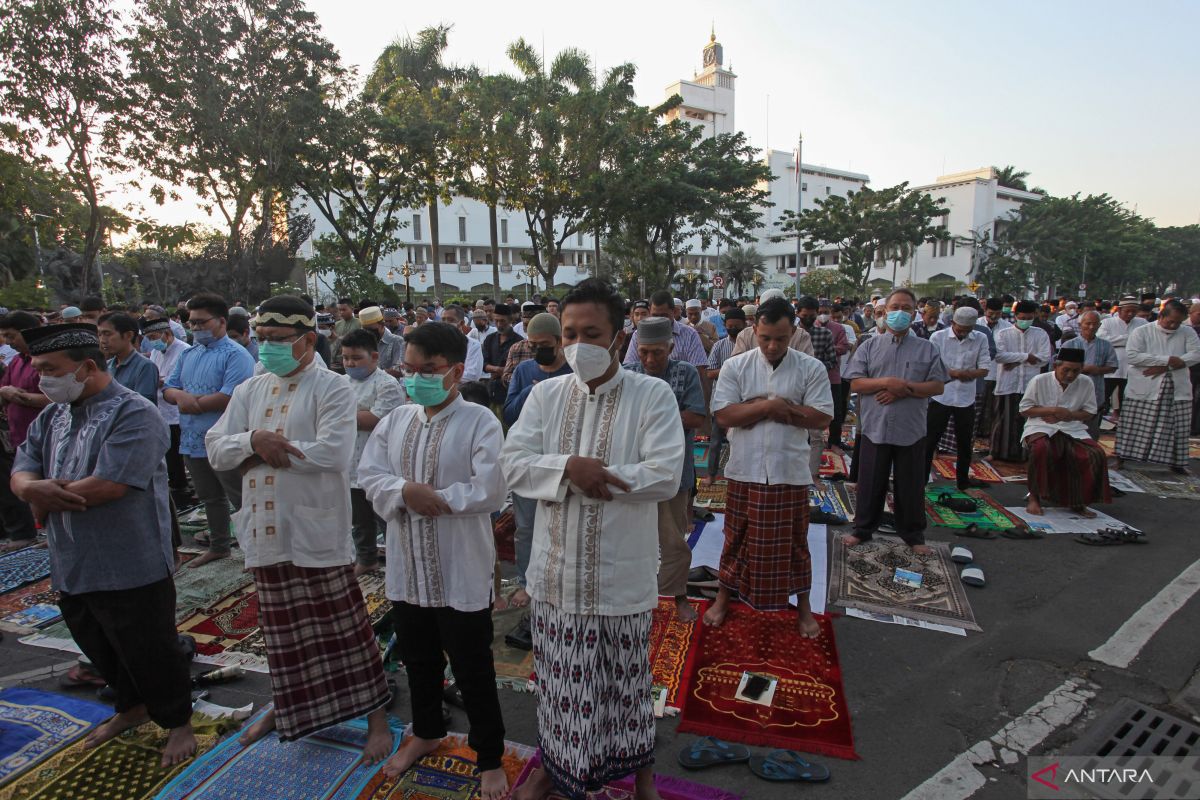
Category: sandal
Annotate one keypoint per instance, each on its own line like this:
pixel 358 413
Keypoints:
pixel 1099 539
pixel 1126 534
pixel 788 766
pixel 709 752
pixel 1021 532
pixel 973 531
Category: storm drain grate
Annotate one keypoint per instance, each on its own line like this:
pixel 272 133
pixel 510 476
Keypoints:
pixel 1133 729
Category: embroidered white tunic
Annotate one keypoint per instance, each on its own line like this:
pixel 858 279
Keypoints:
pixel 1117 332
pixel 301 513
pixel 1152 346
pixel 1045 390
pixel 447 560
pixel 590 556
pixel 1014 346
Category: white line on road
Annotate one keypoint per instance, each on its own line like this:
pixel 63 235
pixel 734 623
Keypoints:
pixel 961 778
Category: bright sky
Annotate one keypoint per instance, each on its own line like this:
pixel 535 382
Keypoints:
pixel 1089 96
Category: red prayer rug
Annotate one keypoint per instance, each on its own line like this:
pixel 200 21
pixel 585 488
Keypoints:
pixel 980 470
pixel 834 464
pixel 673 648
pixel 808 709
pixel 225 623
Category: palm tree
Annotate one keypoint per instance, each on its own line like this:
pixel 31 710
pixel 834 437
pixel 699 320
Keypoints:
pixel 740 264
pixel 1011 177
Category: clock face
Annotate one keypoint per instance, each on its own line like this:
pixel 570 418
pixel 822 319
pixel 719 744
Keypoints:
pixel 710 57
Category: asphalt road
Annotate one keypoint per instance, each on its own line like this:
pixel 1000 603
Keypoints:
pixel 919 698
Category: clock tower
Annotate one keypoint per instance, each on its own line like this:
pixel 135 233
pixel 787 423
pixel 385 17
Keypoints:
pixel 708 97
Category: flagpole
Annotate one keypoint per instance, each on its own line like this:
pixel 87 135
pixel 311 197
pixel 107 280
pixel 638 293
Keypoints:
pixel 799 208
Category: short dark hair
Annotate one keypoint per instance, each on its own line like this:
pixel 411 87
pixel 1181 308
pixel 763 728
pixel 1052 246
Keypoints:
pixel 361 339
pixel 91 304
pixel 1026 307
pixel 20 321
pixel 439 339
pixel 121 323
pixel 775 310
pixel 594 290
pixel 211 302
pixel 458 310
pixel 662 298
pixel 238 324
pixel 901 290
pixel 1174 306
pixel 995 304
pixel 807 303
pixel 475 392
pixel 345 301
pixel 93 354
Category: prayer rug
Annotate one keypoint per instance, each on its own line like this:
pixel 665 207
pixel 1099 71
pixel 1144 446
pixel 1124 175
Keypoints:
pixel 852 500
pixel 23 566
pixel 27 596
pixel 1010 472
pixel 712 497
pixel 805 709
pixel 35 724
pixel 828 497
pixel 990 515
pixel 223 624
pixel 700 455
pixel 672 648
pixel 124 768
pixel 513 665
pixel 447 774
pixel 834 464
pixel 326 765
pixel 1167 485
pixel 199 588
pixel 863 577
pixel 980 470
pixel 669 788
pixel 504 529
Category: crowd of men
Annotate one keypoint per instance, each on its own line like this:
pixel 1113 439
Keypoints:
pixel 308 433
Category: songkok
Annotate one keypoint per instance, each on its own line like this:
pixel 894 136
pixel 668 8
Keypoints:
pixel 1129 300
pixel 503 309
pixel 641 304
pixel 325 320
pixel 678 303
pixel 735 313
pixel 966 316
pixel 392 313
pixel 156 326
pixel 692 304
pixel 1025 307
pixel 750 309
pixel 1071 354
pixel 64 336
pixel 71 312
pixel 543 325
pixel 655 330
pixel 771 294
pixel 287 311
pixel 371 315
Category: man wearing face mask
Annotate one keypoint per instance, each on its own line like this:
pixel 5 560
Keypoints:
pixel 456 315
pixel 964 351
pixel 289 432
pixel 1115 330
pixel 200 387
pixel 481 326
pixel 391 346
pixel 1021 352
pixel 993 318
pixel 495 351
pixel 165 350
pixel 92 471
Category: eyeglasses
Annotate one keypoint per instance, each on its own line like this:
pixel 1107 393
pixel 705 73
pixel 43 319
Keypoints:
pixel 280 339
pixel 194 323
pixel 408 372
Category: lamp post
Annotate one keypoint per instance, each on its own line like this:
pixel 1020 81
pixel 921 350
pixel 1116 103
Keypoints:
pixel 799 205
pixel 531 273
pixel 407 271
pixel 37 241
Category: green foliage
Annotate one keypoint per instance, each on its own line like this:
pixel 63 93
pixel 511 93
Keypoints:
pixel 33 186
pixel 27 293
pixel 741 265
pixel 350 278
pixel 826 282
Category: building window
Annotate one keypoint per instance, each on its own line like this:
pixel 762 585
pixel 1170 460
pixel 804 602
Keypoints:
pixel 835 258
pixel 579 239
pixel 951 247
pixel 462 229
pixel 821 260
pixel 503 231
pixel 416 226
pixel 944 247
pixel 487 258
pixel 804 187
pixel 450 257
pixel 828 190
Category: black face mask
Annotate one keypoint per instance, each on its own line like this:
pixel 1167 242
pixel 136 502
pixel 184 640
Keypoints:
pixel 545 355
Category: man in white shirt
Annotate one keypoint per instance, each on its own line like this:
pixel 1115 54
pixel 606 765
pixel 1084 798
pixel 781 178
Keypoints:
pixel 1115 329
pixel 430 470
pixel 964 351
pixel 769 399
pixel 290 432
pixel 481 326
pixel 456 315
pixel 1021 352
pixel 993 317
pixel 376 393
pixel 1068 321
pixel 1156 415
pixel 1065 463
pixel 165 349
pixel 598 449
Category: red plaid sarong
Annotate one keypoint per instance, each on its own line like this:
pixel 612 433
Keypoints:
pixel 325 664
pixel 765 559
pixel 1071 472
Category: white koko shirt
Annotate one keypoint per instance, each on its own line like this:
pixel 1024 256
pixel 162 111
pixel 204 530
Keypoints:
pixel 969 353
pixel 1045 390
pixel 1151 346
pixel 1014 346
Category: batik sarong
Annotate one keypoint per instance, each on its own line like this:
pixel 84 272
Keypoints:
pixel 1068 471
pixel 1007 427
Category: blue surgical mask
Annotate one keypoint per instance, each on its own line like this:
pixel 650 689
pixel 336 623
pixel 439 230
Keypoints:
pixel 358 373
pixel 425 391
pixel 899 320
pixel 158 344
pixel 203 337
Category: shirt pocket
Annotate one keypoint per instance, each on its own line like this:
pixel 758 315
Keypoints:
pixel 316 534
pixel 916 371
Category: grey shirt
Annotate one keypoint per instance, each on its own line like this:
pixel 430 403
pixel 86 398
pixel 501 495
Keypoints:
pixel 391 350
pixel 119 436
pixel 1097 353
pixel 883 356
pixel 684 381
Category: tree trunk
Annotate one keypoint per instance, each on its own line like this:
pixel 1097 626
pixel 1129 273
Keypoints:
pixel 596 252
pixel 435 243
pixel 495 236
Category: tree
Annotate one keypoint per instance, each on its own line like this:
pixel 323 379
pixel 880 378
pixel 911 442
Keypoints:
pixel 1011 177
pixel 32 186
pixel 419 94
pixel 741 265
pixel 229 95
pixel 1175 260
pixel 823 282
pixel 61 81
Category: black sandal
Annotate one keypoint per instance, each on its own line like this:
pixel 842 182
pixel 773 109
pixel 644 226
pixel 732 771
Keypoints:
pixel 1099 539
pixel 973 531
pixel 1021 532
pixel 959 505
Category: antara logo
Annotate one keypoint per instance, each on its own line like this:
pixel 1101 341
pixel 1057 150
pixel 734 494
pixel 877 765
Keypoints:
pixel 1047 775
pixel 1102 775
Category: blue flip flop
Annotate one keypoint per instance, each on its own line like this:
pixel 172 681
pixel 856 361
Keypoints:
pixel 788 766
pixel 709 752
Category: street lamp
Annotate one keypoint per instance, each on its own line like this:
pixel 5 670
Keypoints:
pixel 37 242
pixel 799 206
pixel 531 273
pixel 407 270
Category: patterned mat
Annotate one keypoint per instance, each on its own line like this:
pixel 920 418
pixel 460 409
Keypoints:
pixel 669 788
pixel 829 496
pixel 447 774
pixel 989 516
pixel 862 577
pixel 1167 485
pixel 808 709
pixel 513 666
pixel 34 725
pixel 672 648
pixel 852 500
pixel 23 566
pixel 834 464
pixel 222 625
pixel 504 530
pixel 980 470
pixel 125 768
pixel 27 596
pixel 712 496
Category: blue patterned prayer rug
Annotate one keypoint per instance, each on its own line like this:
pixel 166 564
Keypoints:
pixel 23 566
pixel 34 724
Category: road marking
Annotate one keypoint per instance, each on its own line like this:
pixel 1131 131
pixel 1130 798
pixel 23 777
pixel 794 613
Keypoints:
pixel 961 778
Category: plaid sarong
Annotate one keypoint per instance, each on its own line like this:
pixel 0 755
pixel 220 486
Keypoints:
pixel 1071 472
pixel 765 559
pixel 1155 431
pixel 1007 428
pixel 325 664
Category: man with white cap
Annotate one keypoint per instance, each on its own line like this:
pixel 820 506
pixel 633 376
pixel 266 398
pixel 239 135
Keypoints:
pixel 964 352
pixel 1116 329
pixel 391 346
pixel 527 313
pixel 678 309
pixel 1068 321
pixel 704 329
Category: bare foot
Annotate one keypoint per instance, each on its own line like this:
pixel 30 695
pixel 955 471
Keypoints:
pixel 537 787
pixel 643 785
pixel 715 616
pixel 683 609
pixel 1086 513
pixel 1181 470
pixel 115 726
pixel 809 627
pixel 181 745
pixel 850 540
pixel 379 738
pixel 206 557
pixel 258 729
pixel 921 549
pixel 412 750
pixel 493 784
pixel 1034 507
pixel 518 599
pixel 364 569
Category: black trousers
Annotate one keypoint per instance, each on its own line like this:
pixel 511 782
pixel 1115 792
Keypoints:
pixel 903 464
pixel 983 421
pixel 1111 385
pixel 964 427
pixel 176 474
pixel 423 635
pixel 129 634
pixel 15 515
pixel 365 528
pixel 841 400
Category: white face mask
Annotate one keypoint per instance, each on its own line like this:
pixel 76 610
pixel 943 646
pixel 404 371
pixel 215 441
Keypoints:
pixel 62 388
pixel 881 322
pixel 823 319
pixel 589 361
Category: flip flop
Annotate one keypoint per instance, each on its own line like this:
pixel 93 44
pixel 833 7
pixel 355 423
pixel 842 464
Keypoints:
pixel 1098 539
pixel 972 531
pixel 709 752
pixel 788 766
pixel 82 675
pixel 961 555
pixel 1126 534
pixel 1021 532
pixel 972 575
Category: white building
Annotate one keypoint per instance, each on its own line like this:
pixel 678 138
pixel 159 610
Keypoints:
pixel 708 97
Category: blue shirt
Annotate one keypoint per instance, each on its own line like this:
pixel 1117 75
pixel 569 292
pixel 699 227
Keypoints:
pixel 137 373
pixel 119 436
pixel 684 381
pixel 205 369
pixel 524 377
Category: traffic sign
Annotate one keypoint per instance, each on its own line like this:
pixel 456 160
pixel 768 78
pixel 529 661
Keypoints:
pixel 718 281
pixel 1082 286
pixel 1082 294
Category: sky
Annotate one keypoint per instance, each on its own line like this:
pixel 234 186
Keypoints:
pixel 1088 96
